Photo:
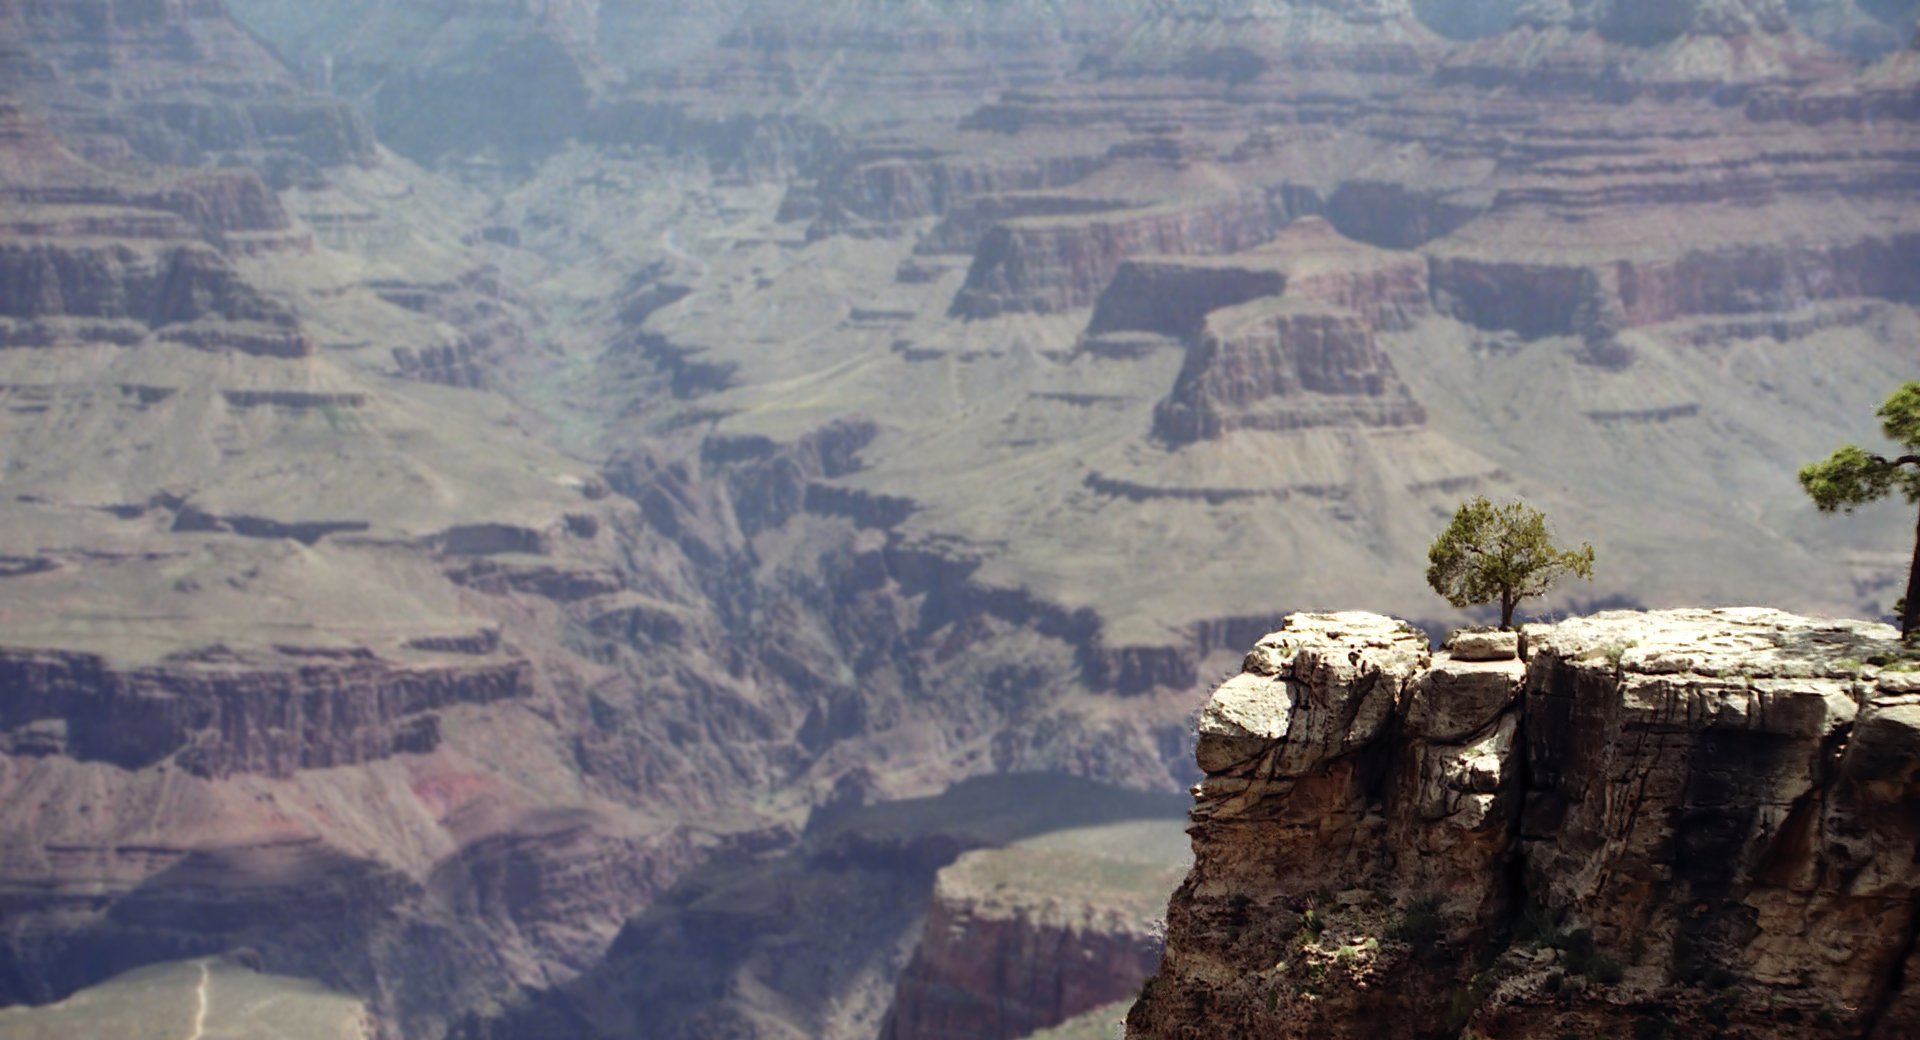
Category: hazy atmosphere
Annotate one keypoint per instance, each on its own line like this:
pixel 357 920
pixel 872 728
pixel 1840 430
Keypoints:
pixel 719 519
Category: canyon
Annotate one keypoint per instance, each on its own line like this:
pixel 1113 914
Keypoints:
pixel 491 493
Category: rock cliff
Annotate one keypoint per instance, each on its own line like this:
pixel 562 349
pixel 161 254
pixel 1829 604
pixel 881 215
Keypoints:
pixel 1624 48
pixel 1056 263
pixel 1678 823
pixel 175 82
pixel 1024 938
pixel 226 716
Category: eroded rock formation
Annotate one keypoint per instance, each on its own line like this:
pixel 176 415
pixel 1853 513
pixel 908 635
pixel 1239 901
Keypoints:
pixel 1684 823
pixel 1021 939
pixel 1056 263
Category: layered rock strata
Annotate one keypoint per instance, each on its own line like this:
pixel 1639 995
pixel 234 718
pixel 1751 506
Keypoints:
pixel 1276 338
pixel 1683 823
pixel 223 717
pixel 877 190
pixel 1278 365
pixel 1024 938
pixel 175 82
pixel 1049 264
pixel 1626 48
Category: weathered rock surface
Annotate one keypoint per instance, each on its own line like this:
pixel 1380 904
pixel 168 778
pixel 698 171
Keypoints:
pixel 1625 48
pixel 1683 822
pixel 1051 264
pixel 1024 938
pixel 1280 366
pixel 175 82
pixel 878 191
pixel 224 717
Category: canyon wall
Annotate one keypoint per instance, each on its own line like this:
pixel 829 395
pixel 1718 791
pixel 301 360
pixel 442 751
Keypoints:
pixel 1678 823
pixel 1024 938
pixel 223 717
pixel 1051 264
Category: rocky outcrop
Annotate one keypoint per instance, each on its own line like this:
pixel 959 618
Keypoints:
pixel 176 83
pixel 1679 823
pixel 1621 49
pixel 969 221
pixel 1022 939
pixel 1277 365
pixel 291 139
pixel 1889 89
pixel 1544 298
pixel 449 364
pixel 877 191
pixel 1280 337
pixel 1049 264
pixel 187 292
pixel 1307 262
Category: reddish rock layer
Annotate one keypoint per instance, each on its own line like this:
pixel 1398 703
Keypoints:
pixel 1281 366
pixel 1022 951
pixel 1543 298
pixel 217 719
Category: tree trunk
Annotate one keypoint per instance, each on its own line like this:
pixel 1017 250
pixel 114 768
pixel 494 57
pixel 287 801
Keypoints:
pixel 1910 617
pixel 1506 610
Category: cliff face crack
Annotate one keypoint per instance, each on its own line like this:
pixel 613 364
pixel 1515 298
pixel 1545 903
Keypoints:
pixel 1624 832
pixel 1895 981
pixel 1356 702
pixel 1516 899
pixel 1794 841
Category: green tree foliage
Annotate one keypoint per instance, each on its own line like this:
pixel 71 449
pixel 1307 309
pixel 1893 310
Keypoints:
pixel 1500 553
pixel 1853 476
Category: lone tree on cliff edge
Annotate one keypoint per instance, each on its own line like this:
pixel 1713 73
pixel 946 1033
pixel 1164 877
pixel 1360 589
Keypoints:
pixel 1500 552
pixel 1852 477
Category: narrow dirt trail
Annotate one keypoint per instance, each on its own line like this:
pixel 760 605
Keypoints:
pixel 200 996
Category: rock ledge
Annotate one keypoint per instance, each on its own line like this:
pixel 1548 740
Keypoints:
pixel 1677 823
